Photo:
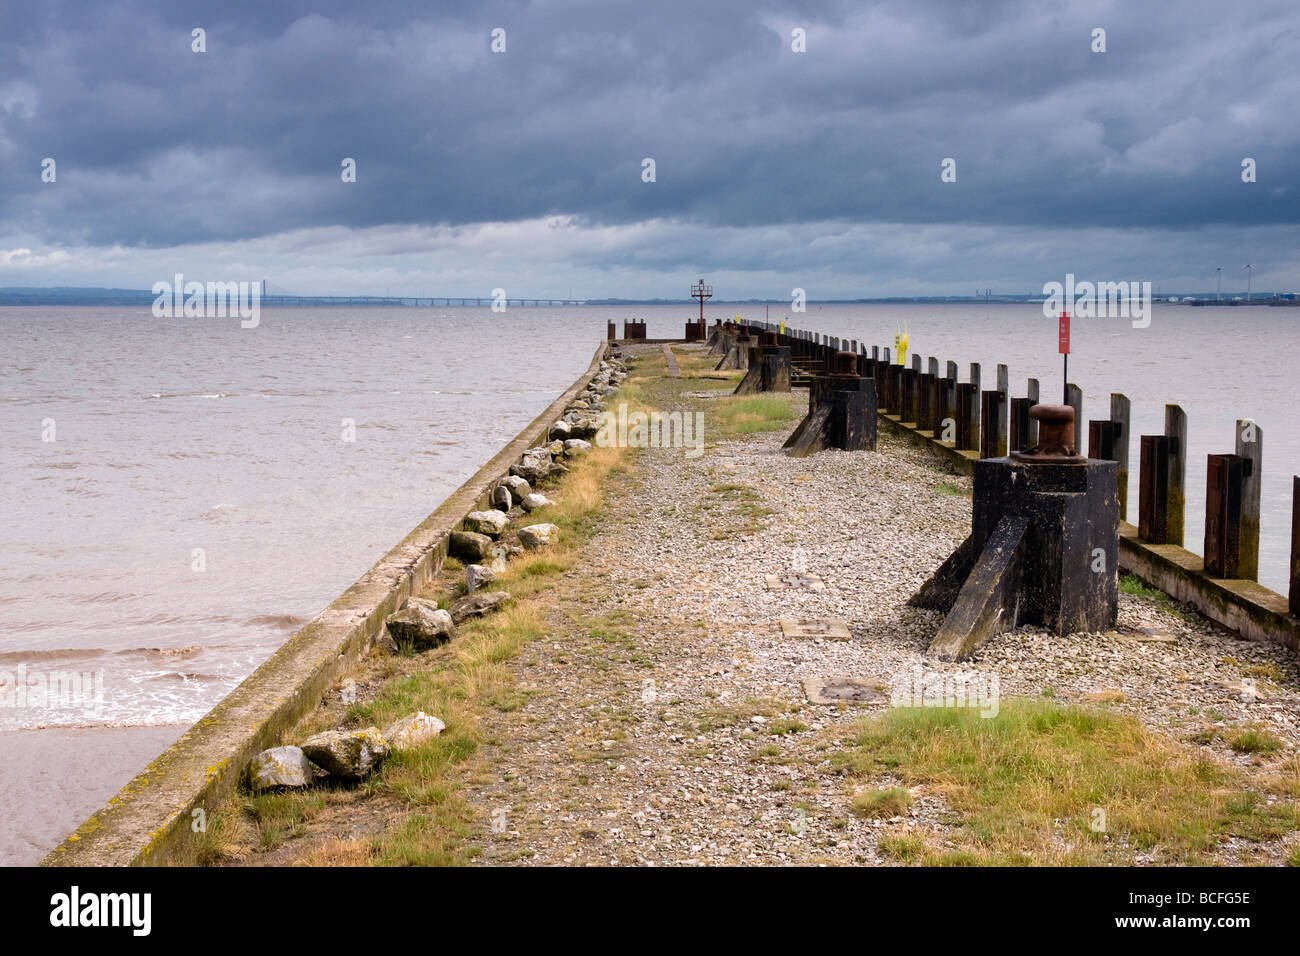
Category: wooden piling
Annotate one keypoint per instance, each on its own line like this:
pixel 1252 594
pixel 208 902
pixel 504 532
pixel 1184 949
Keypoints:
pixel 1250 447
pixel 1223 487
pixel 1033 424
pixel 1074 398
pixel 974 409
pixel 1153 489
pixel 1294 591
pixel 1176 432
pixel 1018 439
pixel 1119 414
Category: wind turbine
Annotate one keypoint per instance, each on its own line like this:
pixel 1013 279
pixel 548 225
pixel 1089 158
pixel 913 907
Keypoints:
pixel 1248 267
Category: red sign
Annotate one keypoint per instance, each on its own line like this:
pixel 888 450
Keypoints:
pixel 1064 334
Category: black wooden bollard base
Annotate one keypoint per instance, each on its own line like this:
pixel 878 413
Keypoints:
pixel 1043 550
pixel 737 355
pixel 769 371
pixel 841 414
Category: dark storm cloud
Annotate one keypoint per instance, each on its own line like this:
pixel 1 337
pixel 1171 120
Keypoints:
pixel 158 146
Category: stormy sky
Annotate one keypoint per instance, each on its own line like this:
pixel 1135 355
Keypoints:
pixel 773 168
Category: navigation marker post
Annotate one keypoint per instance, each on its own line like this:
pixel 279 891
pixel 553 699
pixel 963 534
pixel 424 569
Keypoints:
pixel 1063 345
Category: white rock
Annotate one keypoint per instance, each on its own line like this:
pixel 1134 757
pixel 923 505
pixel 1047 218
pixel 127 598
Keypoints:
pixel 490 523
pixel 413 730
pixel 534 501
pixel 477 575
pixel 421 624
pixel 518 486
pixel 347 753
pixel 280 767
pixel 539 535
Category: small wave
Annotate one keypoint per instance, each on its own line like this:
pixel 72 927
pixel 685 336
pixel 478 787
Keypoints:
pixel 160 652
pixel 104 597
pixel 51 654
pixel 173 677
pixel 278 622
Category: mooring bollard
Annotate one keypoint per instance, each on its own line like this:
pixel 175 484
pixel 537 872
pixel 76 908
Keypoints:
pixel 841 412
pixel 610 330
pixel 769 367
pixel 1043 548
pixel 633 329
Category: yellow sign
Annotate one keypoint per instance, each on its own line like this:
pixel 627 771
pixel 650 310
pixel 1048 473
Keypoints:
pixel 900 346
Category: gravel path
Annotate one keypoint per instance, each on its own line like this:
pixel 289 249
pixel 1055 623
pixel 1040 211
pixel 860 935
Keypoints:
pixel 667 721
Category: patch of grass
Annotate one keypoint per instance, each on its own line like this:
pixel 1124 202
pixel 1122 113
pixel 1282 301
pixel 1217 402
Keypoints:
pixel 882 804
pixel 279 816
pixel 1269 671
pixel 907 848
pixel 747 414
pixel 1254 740
pixel 955 491
pixel 1027 782
pixel 785 725
pixel 1132 584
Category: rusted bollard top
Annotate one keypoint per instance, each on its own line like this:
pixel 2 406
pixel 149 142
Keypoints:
pixel 846 364
pixel 1055 437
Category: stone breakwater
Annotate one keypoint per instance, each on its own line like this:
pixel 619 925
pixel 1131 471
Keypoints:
pixel 708 655
pixel 152 818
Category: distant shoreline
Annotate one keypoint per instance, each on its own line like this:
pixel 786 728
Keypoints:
pixel 76 296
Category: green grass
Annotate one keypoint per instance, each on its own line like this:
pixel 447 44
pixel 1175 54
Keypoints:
pixel 1027 783
pixel 955 491
pixel 1254 740
pixel 747 414
pixel 1132 584
pixel 882 804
